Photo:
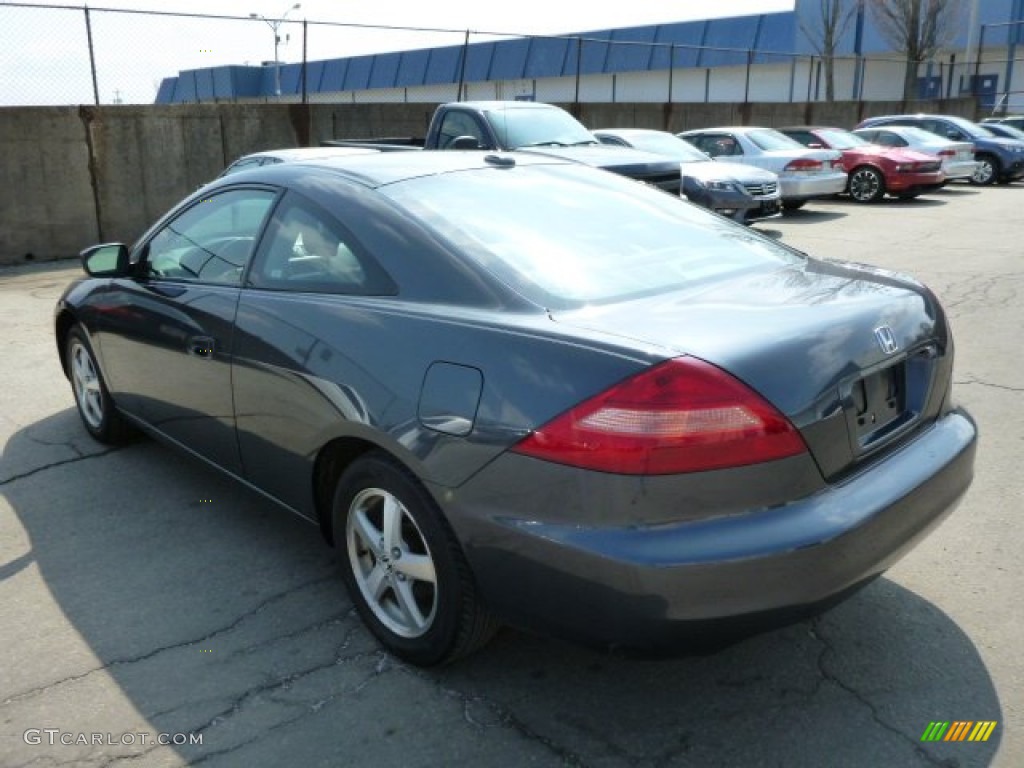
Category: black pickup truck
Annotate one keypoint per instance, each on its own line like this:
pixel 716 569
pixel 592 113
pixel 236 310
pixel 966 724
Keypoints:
pixel 528 126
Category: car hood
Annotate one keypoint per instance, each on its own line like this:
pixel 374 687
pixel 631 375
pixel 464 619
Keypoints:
pixel 713 169
pixel 620 159
pixel 802 336
pixel 1009 145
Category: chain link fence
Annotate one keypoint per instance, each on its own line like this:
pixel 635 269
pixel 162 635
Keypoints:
pixel 58 55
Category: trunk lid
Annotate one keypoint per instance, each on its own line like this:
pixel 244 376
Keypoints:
pixel 857 358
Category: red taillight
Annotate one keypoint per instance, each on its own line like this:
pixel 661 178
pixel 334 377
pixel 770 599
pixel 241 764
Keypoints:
pixel 803 164
pixel 683 415
pixel 947 153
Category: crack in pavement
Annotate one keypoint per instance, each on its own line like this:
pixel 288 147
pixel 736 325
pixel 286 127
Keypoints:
pixel 43 468
pixel 379 669
pixel 504 716
pixel 826 675
pixel 990 384
pixel 32 692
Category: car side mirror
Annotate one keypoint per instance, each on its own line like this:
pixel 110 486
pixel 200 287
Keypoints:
pixel 466 142
pixel 106 260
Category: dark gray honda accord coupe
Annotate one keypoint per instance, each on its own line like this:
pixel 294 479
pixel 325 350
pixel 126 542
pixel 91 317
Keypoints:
pixel 516 390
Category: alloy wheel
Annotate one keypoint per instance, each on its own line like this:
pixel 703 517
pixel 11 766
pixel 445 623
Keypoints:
pixel 392 563
pixel 86 381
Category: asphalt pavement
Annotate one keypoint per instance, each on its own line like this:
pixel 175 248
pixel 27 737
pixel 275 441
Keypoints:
pixel 153 613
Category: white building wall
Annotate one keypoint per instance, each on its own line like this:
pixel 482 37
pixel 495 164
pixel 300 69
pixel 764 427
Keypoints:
pixel 783 80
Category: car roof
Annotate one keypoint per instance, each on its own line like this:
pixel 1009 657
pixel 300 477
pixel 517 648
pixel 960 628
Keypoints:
pixel 380 168
pixel 300 153
pixel 733 129
pixel 629 131
pixel 493 105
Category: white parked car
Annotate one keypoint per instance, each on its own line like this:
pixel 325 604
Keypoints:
pixel 291 155
pixel 741 192
pixel 804 174
pixel 957 157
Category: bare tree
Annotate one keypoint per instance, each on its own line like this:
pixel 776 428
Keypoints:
pixel 917 28
pixel 824 31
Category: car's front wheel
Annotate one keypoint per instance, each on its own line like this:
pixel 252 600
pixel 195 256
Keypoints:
pixel 987 171
pixel 866 185
pixel 403 567
pixel 793 205
pixel 92 398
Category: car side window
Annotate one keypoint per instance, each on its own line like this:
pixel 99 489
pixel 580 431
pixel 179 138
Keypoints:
pixel 212 241
pixel 455 124
pixel 307 249
pixel 718 145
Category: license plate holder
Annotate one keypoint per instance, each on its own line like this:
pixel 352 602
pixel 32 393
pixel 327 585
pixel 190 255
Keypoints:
pixel 876 406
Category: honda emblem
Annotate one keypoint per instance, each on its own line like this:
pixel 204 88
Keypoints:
pixel 885 339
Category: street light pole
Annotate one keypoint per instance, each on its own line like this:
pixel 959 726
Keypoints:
pixel 275 24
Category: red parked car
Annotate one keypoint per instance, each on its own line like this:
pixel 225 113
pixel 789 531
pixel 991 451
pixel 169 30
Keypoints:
pixel 875 171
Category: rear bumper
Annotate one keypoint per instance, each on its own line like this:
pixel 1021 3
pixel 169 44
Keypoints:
pixel 662 586
pixel 960 169
pixel 804 187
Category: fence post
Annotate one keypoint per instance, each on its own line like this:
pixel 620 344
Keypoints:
pixel 92 57
pixel 579 64
pixel 671 64
pixel 746 87
pixel 977 63
pixel 462 67
pixel 305 96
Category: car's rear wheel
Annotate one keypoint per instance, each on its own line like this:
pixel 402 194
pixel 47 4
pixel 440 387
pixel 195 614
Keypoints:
pixel 793 205
pixel 866 185
pixel 403 567
pixel 92 398
pixel 987 171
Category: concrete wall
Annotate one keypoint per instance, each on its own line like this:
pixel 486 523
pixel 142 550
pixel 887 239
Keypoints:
pixel 74 176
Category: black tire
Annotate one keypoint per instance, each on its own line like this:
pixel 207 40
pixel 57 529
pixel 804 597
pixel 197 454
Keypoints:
pixel 866 184
pixel 793 205
pixel 95 406
pixel 422 622
pixel 988 171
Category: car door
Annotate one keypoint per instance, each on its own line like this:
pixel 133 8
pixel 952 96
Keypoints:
pixel 299 320
pixel 167 347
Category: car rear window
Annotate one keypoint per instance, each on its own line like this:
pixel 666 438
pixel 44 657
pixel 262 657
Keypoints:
pixel 566 236
pixel 769 139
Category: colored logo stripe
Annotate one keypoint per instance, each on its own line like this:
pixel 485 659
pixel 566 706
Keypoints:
pixel 982 731
pixel 959 730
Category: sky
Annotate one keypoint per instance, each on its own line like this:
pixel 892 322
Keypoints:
pixel 44 52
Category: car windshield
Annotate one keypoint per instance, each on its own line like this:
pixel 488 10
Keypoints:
pixel 838 139
pixel 565 236
pixel 537 126
pixel 666 144
pixel 769 139
pixel 920 136
pixel 973 130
